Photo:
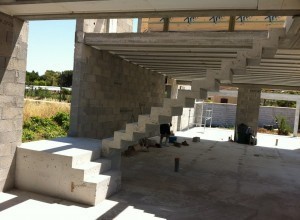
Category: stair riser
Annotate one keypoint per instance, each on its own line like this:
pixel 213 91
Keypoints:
pixel 82 174
pixel 171 111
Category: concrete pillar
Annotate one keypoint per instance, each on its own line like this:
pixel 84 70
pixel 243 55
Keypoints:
pixel 139 25
pixel 296 122
pixel 247 111
pixel 13 55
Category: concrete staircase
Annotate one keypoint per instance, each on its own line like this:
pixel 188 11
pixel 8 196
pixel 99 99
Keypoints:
pixel 67 168
pixel 148 125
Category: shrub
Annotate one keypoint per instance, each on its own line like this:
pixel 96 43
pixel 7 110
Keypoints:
pixel 37 128
pixel 283 127
pixel 62 119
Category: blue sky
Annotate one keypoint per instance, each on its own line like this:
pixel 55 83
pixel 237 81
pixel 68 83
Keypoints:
pixel 51 45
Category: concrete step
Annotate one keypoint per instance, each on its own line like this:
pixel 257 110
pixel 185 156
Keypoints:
pixel 92 168
pixel 66 171
pixel 149 130
pixel 154 119
pixel 195 93
pixel 103 185
pixel 166 111
pixel 134 127
pixel 117 144
pixel 184 102
pixel 128 136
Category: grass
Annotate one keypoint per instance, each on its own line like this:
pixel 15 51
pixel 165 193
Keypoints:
pixel 44 109
pixel 45 120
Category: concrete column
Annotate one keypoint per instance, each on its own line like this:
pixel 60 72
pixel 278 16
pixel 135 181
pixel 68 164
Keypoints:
pixel 13 55
pixel 247 111
pixel 172 93
pixel 296 122
pixel 139 27
pixel 173 88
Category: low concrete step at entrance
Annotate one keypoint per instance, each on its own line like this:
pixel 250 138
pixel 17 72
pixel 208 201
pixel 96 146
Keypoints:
pixel 67 168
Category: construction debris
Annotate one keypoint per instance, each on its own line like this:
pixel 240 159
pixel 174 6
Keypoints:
pixel 196 139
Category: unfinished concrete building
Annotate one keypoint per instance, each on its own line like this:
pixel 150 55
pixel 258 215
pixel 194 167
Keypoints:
pixel 119 82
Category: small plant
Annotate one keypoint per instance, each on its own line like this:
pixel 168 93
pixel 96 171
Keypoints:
pixel 283 127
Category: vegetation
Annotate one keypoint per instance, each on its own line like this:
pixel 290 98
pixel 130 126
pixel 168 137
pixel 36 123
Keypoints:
pixel 278 103
pixel 45 120
pixel 283 127
pixel 40 94
pixel 37 128
pixel 50 78
pixel 44 109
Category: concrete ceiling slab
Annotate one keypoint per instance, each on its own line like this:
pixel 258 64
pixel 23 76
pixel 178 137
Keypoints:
pixel 278 4
pixel 55 9
pixel 38 7
pixel 188 55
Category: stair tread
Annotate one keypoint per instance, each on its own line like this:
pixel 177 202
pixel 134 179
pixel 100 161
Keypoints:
pixel 103 177
pixel 133 123
pixel 97 179
pixel 102 160
pixel 108 139
pixel 121 131
pixel 87 165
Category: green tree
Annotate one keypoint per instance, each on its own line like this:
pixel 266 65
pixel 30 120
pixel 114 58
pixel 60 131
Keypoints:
pixel 52 78
pixel 31 77
pixel 66 78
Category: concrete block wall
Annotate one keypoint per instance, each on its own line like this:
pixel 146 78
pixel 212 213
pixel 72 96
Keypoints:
pixel 114 92
pixel 13 55
pixel 109 92
pixel 224 115
pixel 267 115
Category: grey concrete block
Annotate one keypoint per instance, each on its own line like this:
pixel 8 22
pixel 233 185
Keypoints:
pixel 14 89
pixel 12 113
pixel 11 136
pixel 6 161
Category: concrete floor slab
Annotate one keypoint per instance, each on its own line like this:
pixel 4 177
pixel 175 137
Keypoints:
pixel 217 179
